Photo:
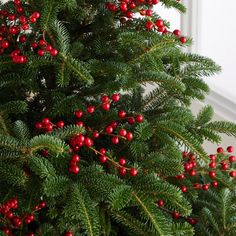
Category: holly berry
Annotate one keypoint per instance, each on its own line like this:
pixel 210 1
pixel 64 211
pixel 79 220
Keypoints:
pixel 96 134
pixel 129 14
pixel 175 215
pixel 160 203
pixel 214 184
pixel 115 97
pixel 115 140
pixel 60 124
pixel 91 109
pixel 205 187
pixel 154 2
pixel 122 132
pixel 220 150
pixel 38 125
pixel 80 123
pixel 184 189
pixel 232 159
pixel 212 157
pixel 133 172
pixel 78 113
pixel 102 150
pixel 122 171
pixel 183 39
pixel 75 158
pixel 5 44
pixel 109 129
pixel 230 149
pixel 139 118
pixel 149 25
pixel 16 221
pixel 177 32
pixel 224 166
pixel 106 106
pixel 36 15
pixel 9 215
pixel 232 173
pixel 69 233
pixel 185 154
pixel 159 23
pixel 122 161
pixel 192 173
pixel 149 12
pixel 131 120
pixel 212 165
pixel 197 186
pixel 40 52
pixel 121 114
pixel 45 121
pixel 74 169
pixel 54 52
pixel 103 159
pixel 192 221
pixel 123 6
pixel 212 174
pixel 88 142
pixel 105 99
pixel 129 136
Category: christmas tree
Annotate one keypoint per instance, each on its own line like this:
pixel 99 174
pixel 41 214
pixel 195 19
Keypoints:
pixel 84 150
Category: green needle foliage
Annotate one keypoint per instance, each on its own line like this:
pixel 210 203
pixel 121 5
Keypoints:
pixel 99 55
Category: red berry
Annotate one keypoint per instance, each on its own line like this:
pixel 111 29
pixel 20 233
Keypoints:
pixel 106 106
pixel 5 44
pixel 9 215
pixel 197 186
pixel 34 45
pixel 154 2
pixel 220 150
pixel 192 221
pixel 129 14
pixel 175 215
pixel 224 166
pixel 36 15
pixel 212 165
pixel 139 118
pixel 160 203
pixel 60 124
pixel 122 171
pixel 45 121
pixel 214 184
pixel 230 149
pixel 123 6
pixel 96 134
pixel 232 173
pixel 232 159
pixel 38 125
pixel 88 142
pixel 212 157
pixel 78 113
pixel 185 154
pixel 133 172
pixel 74 169
pixel 33 19
pixel 212 174
pixel 132 5
pixel 103 159
pixel 183 39
pixel 20 10
pixel 149 25
pixel 115 97
pixel 54 52
pixel 75 158
pixel 16 221
pixel 129 136
pixel 25 27
pixel 13 30
pixel 148 12
pixel 192 173
pixel 131 120
pixel 109 129
pixel 6 231
pixel 80 123
pixel 205 187
pixel 17 2
pixel 22 39
pixel 177 32
pixel 122 132
pixel 102 150
pixel 184 189
pixel 105 99
pixel 122 161
pixel 181 177
pixel 115 140
pixel 69 233
pixel 113 124
pixel 11 17
pixel 91 109
pixel 121 114
pixel 161 29
pixel 30 234
pixel 40 52
pixel 159 23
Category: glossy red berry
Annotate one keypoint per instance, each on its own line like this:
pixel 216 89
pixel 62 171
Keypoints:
pixel 38 125
pixel 192 221
pixel 129 14
pixel 106 106
pixel 220 150
pixel 129 136
pixel 160 203
pixel 105 99
pixel 197 186
pixel 177 32
pixel 224 166
pixel 115 97
pixel 78 113
pixel 232 159
pixel 96 134
pixel 184 189
pixel 159 23
pixel 17 2
pixel 102 150
pixel 154 2
pixel 139 118
pixel 212 157
pixel 149 12
pixel 131 120
pixel 40 52
pixel 9 215
pixel 115 140
pixel 205 187
pixel 32 19
pixel 60 124
pixel 121 114
pixel 132 5
pixel 45 121
pixel 122 171
pixel 183 39
pixel 69 233
pixel 80 123
pixel 122 161
pixel 36 15
pixel 11 17
pixel 74 169
pixel 230 149
pixel 91 109
pixel 16 221
pixel 54 52
pixel 214 184
pixel 212 174
pixel 88 142
pixel 133 172
pixel 5 44
pixel 149 25
pixel 25 27
pixel 232 173
pixel 192 173
pixel 75 158
pixel 175 215
pixel 109 129
pixel 122 132
pixel 123 6
pixel 212 165
pixel 103 159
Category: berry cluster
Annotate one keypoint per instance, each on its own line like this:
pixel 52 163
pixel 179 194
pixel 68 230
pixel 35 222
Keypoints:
pixel 47 126
pixel 12 220
pixel 114 130
pixel 16 27
pixel 126 9
pixel 218 162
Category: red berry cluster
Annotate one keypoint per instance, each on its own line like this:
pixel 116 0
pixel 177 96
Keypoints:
pixel 175 215
pixel 218 162
pixel 112 130
pixel 47 126
pixel 127 8
pixel 15 28
pixel 12 220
